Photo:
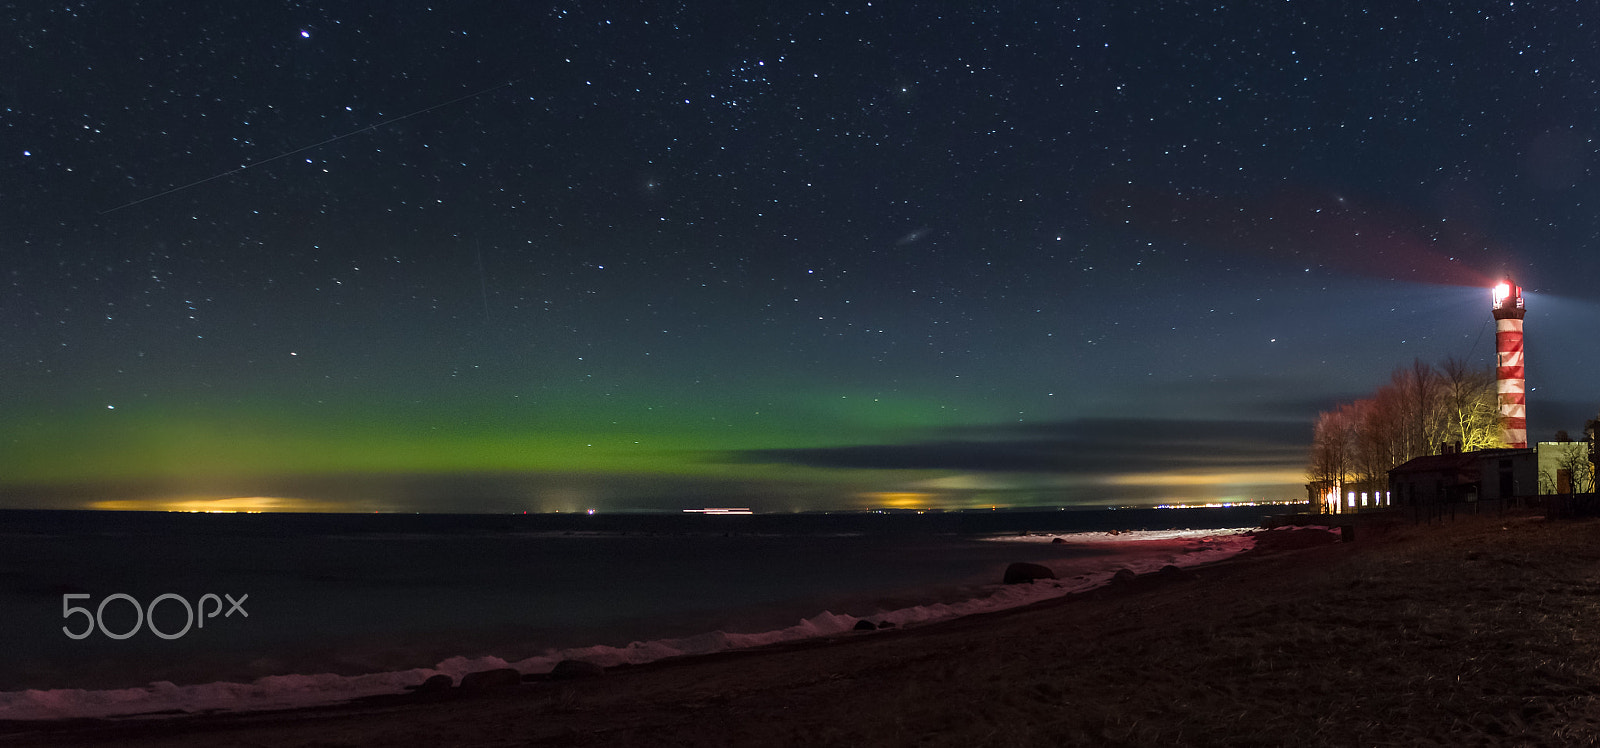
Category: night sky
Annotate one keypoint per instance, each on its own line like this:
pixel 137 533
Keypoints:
pixel 795 256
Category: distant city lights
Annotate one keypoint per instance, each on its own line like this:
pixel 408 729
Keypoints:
pixel 1227 504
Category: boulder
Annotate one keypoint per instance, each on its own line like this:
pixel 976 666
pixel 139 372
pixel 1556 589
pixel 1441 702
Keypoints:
pixel 1174 573
pixel 865 625
pixel 436 684
pixel 1023 571
pixel 1123 576
pixel 575 669
pixel 485 680
pixel 1058 540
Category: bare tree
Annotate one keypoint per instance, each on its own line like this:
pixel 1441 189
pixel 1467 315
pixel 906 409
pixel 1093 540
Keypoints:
pixel 1470 406
pixel 1379 438
pixel 1420 393
pixel 1333 449
pixel 1421 408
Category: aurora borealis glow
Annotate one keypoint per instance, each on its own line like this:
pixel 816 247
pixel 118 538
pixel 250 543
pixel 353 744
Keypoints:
pixel 487 257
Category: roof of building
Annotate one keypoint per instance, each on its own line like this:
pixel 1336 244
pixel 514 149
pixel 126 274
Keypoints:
pixel 1463 463
pixel 1458 462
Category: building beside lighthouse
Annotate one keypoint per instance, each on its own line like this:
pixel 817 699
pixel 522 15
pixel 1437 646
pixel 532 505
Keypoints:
pixel 1546 468
pixel 1512 470
pixel 1487 474
pixel 1517 470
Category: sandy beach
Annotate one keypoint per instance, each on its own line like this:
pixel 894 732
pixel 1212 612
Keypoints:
pixel 1483 631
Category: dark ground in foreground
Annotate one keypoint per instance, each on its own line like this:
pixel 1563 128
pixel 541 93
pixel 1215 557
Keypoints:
pixel 1485 631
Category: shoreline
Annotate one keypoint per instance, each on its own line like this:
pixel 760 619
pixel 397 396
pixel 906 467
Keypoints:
pixel 1087 559
pixel 1477 632
pixel 161 721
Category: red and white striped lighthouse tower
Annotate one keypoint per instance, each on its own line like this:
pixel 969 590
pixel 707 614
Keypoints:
pixel 1511 383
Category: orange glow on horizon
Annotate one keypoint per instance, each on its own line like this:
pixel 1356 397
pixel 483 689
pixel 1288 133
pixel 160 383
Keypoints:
pixel 899 499
pixel 247 504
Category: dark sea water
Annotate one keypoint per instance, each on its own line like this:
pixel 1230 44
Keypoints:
pixel 359 594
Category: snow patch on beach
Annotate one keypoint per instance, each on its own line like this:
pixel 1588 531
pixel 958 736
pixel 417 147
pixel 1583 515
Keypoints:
pixel 167 699
pixel 1122 536
pixel 1181 548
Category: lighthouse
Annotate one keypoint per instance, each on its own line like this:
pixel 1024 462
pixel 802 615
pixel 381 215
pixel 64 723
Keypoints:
pixel 1510 382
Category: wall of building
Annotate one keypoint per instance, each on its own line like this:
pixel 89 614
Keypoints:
pixel 1508 474
pixel 1327 498
pixel 1564 468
